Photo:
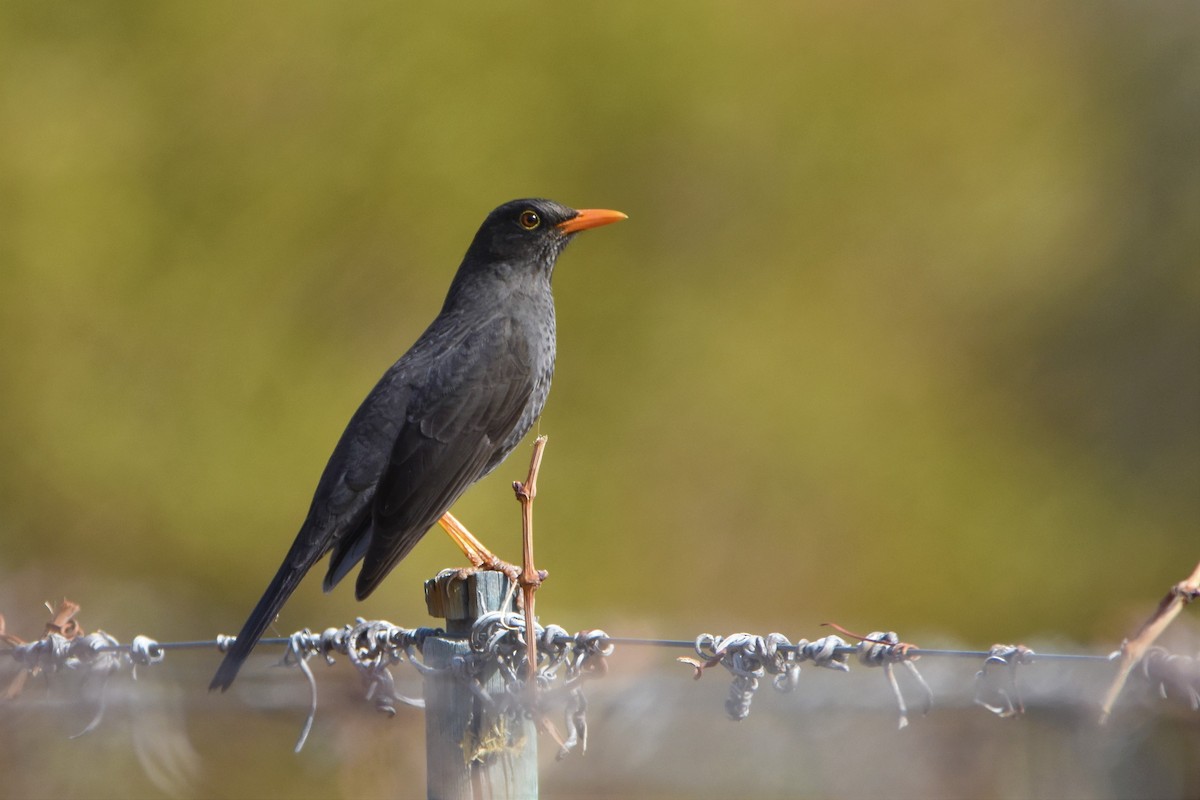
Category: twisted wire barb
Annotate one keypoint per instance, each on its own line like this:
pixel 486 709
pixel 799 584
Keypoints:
pixel 1002 696
pixel 590 652
pixel 1173 674
pixel 498 645
pixel 372 647
pixel 749 657
pixel 883 649
pixel 96 655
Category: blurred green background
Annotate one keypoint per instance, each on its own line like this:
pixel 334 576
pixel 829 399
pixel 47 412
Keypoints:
pixel 903 330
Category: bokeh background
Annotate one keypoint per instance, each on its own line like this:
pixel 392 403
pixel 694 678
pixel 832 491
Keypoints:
pixel 903 332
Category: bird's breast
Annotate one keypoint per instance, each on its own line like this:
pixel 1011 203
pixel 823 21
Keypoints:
pixel 535 327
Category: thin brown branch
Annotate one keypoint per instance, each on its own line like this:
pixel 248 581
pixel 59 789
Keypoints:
pixel 530 578
pixel 1134 650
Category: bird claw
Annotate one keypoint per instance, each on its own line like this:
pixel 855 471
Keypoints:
pixel 512 571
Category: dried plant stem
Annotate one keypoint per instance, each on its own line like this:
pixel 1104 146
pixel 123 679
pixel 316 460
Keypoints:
pixel 1135 649
pixel 530 579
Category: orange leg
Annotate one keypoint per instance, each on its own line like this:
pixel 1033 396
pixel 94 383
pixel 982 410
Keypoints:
pixel 479 556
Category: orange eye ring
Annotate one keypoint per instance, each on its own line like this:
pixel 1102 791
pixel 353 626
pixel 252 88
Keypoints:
pixel 529 219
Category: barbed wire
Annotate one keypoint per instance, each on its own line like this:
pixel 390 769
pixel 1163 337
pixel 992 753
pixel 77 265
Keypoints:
pixel 500 645
pixel 566 661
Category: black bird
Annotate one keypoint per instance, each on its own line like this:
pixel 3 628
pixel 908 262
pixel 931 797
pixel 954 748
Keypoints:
pixel 446 414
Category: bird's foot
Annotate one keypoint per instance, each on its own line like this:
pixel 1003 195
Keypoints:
pixel 512 572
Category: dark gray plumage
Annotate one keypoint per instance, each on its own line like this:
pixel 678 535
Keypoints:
pixel 443 416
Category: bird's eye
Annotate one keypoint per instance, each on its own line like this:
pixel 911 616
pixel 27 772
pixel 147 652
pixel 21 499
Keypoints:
pixel 529 219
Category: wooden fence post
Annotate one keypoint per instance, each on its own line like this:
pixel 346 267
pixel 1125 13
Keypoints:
pixel 471 752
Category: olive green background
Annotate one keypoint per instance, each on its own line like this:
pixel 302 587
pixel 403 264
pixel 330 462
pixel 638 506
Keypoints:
pixel 903 330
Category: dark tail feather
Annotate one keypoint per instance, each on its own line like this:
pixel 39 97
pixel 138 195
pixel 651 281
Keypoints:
pixel 284 583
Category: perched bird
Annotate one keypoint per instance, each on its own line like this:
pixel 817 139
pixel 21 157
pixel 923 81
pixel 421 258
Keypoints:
pixel 443 416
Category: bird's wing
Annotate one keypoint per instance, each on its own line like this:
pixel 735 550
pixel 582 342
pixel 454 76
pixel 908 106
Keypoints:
pixel 470 402
pixel 339 520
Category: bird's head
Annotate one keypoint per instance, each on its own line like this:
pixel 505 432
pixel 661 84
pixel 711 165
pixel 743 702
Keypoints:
pixel 531 233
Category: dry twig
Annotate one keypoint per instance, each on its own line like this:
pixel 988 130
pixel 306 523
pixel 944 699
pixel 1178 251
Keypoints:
pixel 530 578
pixel 1134 650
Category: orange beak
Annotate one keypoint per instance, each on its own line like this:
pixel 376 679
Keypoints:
pixel 590 218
